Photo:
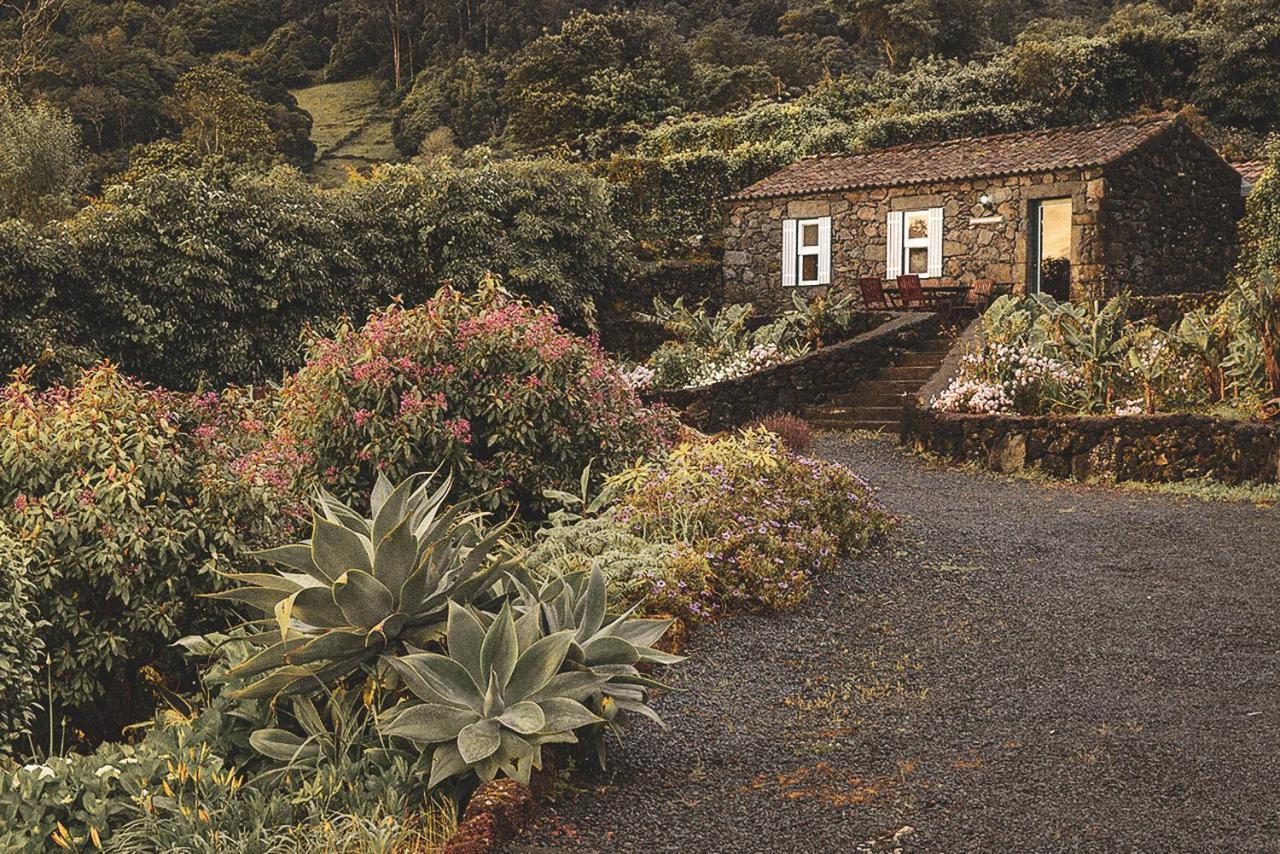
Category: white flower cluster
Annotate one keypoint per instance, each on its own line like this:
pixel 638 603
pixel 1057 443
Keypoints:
pixel 1131 407
pixel 970 395
pixel 640 377
pixel 738 365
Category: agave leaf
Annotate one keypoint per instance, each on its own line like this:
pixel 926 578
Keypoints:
pixel 430 723
pixel 499 650
pixel 465 636
pixel 594 601
pixel 305 711
pixel 608 650
pixel 336 644
pixel 516 756
pixel 397 553
pixel 493 702
pixel 295 556
pixel 271 657
pixel 424 520
pixel 262 598
pixel 337 511
pixel 364 600
pixel 563 714
pixel 640 708
pixel 387 630
pixel 378 497
pixel 575 685
pixel 438 679
pixel 315 607
pixel 528 627
pixel 525 718
pixel 640 632
pixel 479 741
pixel 536 666
pixel 268 687
pixel 281 581
pixel 445 762
pixel 394 511
pixel 336 549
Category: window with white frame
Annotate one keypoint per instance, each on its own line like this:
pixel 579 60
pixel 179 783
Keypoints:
pixel 806 251
pixel 915 243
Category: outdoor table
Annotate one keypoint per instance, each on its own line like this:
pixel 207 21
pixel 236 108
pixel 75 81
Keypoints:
pixel 957 293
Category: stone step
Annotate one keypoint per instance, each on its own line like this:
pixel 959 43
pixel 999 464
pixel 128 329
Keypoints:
pixel 921 359
pixel 862 397
pixel 846 424
pixel 918 374
pixel 887 386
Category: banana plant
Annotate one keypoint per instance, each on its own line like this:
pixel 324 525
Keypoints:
pixel 493 700
pixel 362 586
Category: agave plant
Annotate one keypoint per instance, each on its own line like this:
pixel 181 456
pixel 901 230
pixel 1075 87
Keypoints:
pixel 492 702
pixel 608 647
pixel 360 586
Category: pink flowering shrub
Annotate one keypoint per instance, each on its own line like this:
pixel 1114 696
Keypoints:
pixel 125 501
pixel 485 384
pixel 757 523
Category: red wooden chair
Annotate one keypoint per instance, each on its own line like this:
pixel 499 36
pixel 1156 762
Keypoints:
pixel 873 298
pixel 912 295
pixel 979 296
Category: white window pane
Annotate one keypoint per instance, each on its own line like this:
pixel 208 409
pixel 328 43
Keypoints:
pixel 918 260
pixel 917 225
pixel 1056 234
pixel 810 236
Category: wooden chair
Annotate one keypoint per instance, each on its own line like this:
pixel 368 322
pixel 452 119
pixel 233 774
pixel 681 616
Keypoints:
pixel 873 296
pixel 980 294
pixel 912 296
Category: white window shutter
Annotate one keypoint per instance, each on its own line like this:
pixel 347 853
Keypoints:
pixel 788 253
pixel 935 243
pixel 893 252
pixel 824 251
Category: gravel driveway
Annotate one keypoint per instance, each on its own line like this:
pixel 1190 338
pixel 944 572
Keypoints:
pixel 1022 668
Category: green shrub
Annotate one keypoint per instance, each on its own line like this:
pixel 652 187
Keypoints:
pixel 41 162
pixel 461 96
pixel 20 645
pixel 486 384
pixel 760 523
pixel 123 496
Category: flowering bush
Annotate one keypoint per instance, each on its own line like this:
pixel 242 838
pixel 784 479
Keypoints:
pixel 127 514
pixel 486 384
pixel 758 523
pixel 1041 357
pixel 1004 378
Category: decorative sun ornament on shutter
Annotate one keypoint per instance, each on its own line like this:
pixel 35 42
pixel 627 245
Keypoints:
pixel 788 253
pixel 893 252
pixel 935 243
pixel 824 252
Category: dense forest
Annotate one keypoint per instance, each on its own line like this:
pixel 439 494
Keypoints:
pixel 131 132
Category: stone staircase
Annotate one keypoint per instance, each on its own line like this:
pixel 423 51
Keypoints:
pixel 876 404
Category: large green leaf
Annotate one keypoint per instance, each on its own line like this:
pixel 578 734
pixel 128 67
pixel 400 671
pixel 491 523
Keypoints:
pixel 465 635
pixel 606 650
pixel 536 666
pixel 563 714
pixel 364 600
pixel 445 762
pixel 438 678
pixel 336 549
pixel 295 556
pixel 525 718
pixel 315 607
pixel 575 685
pixel 282 745
pixel 499 651
pixel 335 644
pixel 262 598
pixel 430 723
pixel 479 741
pixel 396 556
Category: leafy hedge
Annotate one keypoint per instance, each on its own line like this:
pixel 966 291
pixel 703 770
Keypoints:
pixel 20 645
pixel 204 275
pixel 122 498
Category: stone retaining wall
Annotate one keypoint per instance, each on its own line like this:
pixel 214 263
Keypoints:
pixel 1151 448
pixel 806 380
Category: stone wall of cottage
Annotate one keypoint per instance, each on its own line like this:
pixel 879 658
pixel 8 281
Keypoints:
pixel 1171 214
pixel 977 243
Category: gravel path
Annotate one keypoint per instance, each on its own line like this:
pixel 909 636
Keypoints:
pixel 1023 668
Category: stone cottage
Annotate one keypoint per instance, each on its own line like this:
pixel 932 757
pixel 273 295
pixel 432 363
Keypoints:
pixel 1142 204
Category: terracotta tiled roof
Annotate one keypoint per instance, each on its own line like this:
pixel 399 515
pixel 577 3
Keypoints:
pixel 1250 170
pixel 957 159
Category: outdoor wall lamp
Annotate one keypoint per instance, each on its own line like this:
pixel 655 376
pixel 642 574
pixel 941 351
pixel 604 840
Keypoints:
pixel 985 201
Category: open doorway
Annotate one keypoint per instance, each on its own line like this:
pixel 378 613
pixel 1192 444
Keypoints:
pixel 1051 248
